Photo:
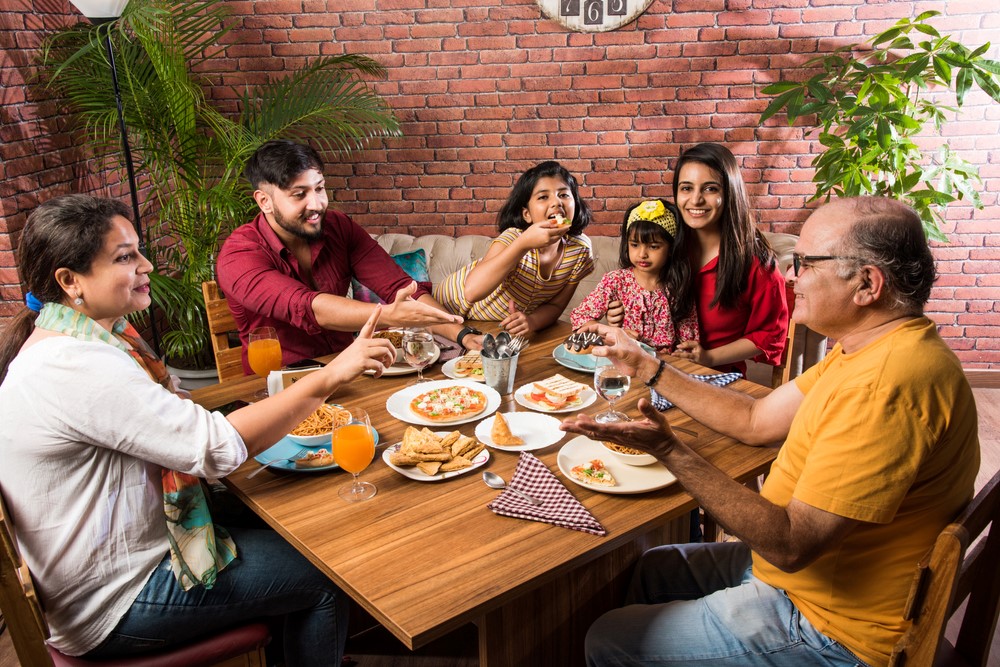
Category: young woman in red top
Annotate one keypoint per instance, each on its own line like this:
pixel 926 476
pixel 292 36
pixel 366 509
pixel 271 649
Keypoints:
pixel 737 288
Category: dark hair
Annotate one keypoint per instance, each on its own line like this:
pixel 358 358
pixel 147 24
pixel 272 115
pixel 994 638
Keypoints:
pixel 677 270
pixel 889 234
pixel 510 213
pixel 741 241
pixel 65 232
pixel 279 161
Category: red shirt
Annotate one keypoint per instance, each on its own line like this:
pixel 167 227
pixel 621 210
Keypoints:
pixel 760 315
pixel 261 280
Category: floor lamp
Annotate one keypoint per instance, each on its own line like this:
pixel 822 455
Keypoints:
pixel 105 11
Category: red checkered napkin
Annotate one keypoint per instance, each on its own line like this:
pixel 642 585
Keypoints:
pixel 558 506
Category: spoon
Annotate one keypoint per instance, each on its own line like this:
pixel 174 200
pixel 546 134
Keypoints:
pixel 495 481
pixel 489 346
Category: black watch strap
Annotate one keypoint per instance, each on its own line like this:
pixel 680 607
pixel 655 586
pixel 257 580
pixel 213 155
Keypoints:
pixel 656 376
pixel 465 332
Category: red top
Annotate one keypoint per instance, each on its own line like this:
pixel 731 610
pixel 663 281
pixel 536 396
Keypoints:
pixel 261 280
pixel 760 315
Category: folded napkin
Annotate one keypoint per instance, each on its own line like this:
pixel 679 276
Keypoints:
pixel 719 380
pixel 558 506
pixel 449 348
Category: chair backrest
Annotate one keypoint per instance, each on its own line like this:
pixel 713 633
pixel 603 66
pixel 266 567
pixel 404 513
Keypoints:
pixel 945 577
pixel 803 348
pixel 18 601
pixel 228 358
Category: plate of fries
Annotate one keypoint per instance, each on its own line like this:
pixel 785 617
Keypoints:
pixel 431 456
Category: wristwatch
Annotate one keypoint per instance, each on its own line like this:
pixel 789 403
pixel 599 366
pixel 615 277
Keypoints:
pixel 465 332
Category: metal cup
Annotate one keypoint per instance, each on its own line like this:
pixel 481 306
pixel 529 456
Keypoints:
pixel 499 373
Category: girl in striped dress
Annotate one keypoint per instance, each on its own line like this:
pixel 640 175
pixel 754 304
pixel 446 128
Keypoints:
pixel 532 268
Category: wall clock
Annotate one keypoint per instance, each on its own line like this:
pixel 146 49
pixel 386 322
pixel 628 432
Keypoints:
pixel 593 15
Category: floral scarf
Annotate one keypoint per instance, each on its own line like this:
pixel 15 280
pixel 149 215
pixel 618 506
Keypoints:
pixel 199 550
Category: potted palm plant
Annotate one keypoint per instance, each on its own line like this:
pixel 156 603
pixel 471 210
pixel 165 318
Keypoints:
pixel 871 103
pixel 190 153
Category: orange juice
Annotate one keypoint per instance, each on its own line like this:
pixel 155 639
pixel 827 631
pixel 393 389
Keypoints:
pixel 353 447
pixel 264 356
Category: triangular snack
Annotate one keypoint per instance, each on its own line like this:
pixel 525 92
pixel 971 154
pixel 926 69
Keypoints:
pixel 501 435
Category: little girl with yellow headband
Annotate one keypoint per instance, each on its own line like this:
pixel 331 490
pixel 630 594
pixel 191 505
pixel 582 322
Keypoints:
pixel 643 285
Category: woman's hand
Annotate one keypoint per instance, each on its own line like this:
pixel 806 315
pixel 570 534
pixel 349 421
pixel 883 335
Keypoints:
pixel 652 435
pixel 692 350
pixel 365 353
pixel 616 313
pixel 516 323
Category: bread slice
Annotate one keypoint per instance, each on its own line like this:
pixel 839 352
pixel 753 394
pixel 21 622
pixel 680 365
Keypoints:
pixel 501 435
pixel 470 364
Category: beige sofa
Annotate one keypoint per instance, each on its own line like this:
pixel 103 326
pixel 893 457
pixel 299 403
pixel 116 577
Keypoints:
pixel 446 254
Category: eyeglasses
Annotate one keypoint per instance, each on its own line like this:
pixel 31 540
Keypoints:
pixel 798 261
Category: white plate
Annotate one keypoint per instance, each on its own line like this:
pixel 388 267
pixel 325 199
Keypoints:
pixel 631 479
pixel 414 472
pixel 587 397
pixel 398 404
pixel 404 368
pixel 536 430
pixel 585 363
pixel 449 369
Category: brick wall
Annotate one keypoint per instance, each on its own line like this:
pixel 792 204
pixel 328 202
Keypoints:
pixel 485 89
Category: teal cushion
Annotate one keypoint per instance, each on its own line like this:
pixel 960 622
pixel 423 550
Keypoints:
pixel 413 262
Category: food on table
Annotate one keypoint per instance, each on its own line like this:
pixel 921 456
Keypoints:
pixel 594 473
pixel 555 393
pixel 582 342
pixel 322 421
pixel 433 454
pixel 501 435
pixel 621 449
pixel 318 459
pixel 394 337
pixel 470 365
pixel 448 404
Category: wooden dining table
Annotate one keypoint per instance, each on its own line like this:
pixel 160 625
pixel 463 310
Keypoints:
pixel 426 558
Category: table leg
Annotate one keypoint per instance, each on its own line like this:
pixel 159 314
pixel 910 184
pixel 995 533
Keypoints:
pixel 548 625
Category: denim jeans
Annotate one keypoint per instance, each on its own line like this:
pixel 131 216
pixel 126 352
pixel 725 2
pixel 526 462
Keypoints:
pixel 699 604
pixel 269 578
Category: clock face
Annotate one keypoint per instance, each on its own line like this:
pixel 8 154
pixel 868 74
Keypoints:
pixel 593 15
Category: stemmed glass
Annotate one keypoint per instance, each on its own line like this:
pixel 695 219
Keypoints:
pixel 353 449
pixel 419 349
pixel 264 354
pixel 611 384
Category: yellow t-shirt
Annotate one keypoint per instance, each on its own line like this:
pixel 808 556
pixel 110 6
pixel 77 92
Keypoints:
pixel 887 435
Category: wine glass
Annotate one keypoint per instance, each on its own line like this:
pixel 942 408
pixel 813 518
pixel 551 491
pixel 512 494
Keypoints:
pixel 264 354
pixel 419 349
pixel 611 384
pixel 353 449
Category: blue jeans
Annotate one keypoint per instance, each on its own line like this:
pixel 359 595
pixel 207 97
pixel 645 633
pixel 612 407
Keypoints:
pixel 268 578
pixel 699 604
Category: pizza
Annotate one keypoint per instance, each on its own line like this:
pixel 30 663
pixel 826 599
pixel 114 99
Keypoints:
pixel 449 404
pixel 594 473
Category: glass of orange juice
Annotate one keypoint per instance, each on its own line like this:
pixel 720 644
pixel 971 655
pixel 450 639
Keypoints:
pixel 353 449
pixel 264 354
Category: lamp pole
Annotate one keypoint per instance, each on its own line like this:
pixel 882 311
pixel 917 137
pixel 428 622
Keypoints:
pixel 101 12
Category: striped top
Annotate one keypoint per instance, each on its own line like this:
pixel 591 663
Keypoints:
pixel 524 284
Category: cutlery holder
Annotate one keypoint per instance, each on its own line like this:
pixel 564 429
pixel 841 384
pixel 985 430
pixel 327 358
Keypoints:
pixel 499 373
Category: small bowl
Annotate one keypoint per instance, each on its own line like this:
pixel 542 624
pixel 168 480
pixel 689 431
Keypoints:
pixel 390 334
pixel 632 459
pixel 321 440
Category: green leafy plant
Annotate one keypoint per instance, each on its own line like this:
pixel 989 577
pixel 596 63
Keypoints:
pixel 871 105
pixel 189 152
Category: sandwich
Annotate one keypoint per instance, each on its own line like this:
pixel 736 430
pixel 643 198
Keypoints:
pixel 471 365
pixel 556 393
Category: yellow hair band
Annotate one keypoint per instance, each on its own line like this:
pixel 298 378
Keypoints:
pixel 653 210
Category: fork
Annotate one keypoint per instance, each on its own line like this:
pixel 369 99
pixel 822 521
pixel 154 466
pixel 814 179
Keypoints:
pixel 269 464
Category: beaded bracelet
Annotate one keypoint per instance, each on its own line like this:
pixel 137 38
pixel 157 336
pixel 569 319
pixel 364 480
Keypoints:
pixel 656 376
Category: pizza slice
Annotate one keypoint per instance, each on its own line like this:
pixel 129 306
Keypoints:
pixel 594 473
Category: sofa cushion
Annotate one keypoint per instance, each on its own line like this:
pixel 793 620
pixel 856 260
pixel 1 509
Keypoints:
pixel 413 262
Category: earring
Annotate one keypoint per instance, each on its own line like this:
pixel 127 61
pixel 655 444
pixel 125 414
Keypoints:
pixel 78 300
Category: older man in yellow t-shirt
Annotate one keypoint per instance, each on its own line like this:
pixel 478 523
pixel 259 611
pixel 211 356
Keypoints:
pixel 880 452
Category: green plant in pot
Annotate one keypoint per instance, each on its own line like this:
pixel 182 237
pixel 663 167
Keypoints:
pixel 189 151
pixel 872 103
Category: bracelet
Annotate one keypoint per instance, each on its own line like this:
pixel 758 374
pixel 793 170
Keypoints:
pixel 465 332
pixel 656 376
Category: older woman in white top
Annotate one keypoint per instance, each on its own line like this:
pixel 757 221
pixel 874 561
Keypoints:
pixel 101 459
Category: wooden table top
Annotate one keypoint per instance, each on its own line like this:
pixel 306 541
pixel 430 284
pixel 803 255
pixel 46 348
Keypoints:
pixel 425 558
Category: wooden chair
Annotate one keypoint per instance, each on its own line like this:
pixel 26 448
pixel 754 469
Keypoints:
pixel 803 348
pixel 945 577
pixel 242 646
pixel 228 359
